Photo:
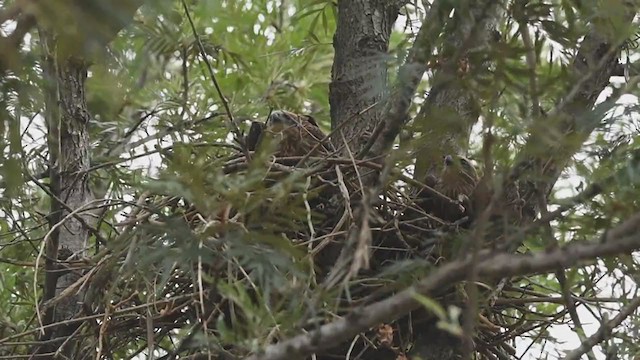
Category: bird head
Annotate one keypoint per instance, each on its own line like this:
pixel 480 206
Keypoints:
pixel 459 173
pixel 281 119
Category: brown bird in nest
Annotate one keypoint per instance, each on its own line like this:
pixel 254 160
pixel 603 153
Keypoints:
pixel 458 180
pixel 297 135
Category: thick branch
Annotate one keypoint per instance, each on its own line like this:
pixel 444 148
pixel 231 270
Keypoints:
pixel 554 139
pixel 450 109
pixel 409 76
pixel 622 239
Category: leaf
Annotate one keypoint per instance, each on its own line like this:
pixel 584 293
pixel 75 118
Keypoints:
pixel 432 306
pixel 325 26
pixel 558 32
pixel 300 16
pixel 12 166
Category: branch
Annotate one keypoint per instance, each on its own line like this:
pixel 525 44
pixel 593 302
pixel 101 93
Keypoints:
pixel 409 77
pixel 573 120
pixel 451 107
pixel 399 3
pixel 554 300
pixel 622 239
pixel 604 332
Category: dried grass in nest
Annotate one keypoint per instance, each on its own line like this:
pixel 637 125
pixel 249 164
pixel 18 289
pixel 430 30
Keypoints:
pixel 176 269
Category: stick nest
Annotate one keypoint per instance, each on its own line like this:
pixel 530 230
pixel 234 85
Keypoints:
pixel 226 256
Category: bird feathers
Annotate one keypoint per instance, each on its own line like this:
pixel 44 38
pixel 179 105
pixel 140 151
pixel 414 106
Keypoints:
pixel 297 135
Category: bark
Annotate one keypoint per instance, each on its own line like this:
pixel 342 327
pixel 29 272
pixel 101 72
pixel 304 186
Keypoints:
pixel 356 94
pixel 68 141
pixel 359 73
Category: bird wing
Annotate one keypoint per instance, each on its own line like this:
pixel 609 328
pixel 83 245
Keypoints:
pixel 314 135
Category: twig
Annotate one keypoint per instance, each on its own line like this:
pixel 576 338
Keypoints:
pixel 41 252
pixel 569 303
pixel 553 299
pixel 185 81
pixel 186 296
pixel 336 129
pixel 531 64
pixel 604 332
pixel 234 127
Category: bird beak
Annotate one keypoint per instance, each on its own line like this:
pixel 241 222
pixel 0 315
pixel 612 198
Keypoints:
pixel 448 160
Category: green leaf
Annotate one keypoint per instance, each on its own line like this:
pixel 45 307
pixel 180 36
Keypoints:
pixel 432 306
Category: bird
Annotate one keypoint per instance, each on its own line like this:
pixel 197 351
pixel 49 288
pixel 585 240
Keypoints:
pixel 296 134
pixel 457 180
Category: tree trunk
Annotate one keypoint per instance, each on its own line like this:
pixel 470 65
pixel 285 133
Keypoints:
pixel 73 34
pixel 359 73
pixel 67 120
pixel 359 79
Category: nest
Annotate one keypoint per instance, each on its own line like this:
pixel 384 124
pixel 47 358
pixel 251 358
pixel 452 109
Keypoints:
pixel 235 257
